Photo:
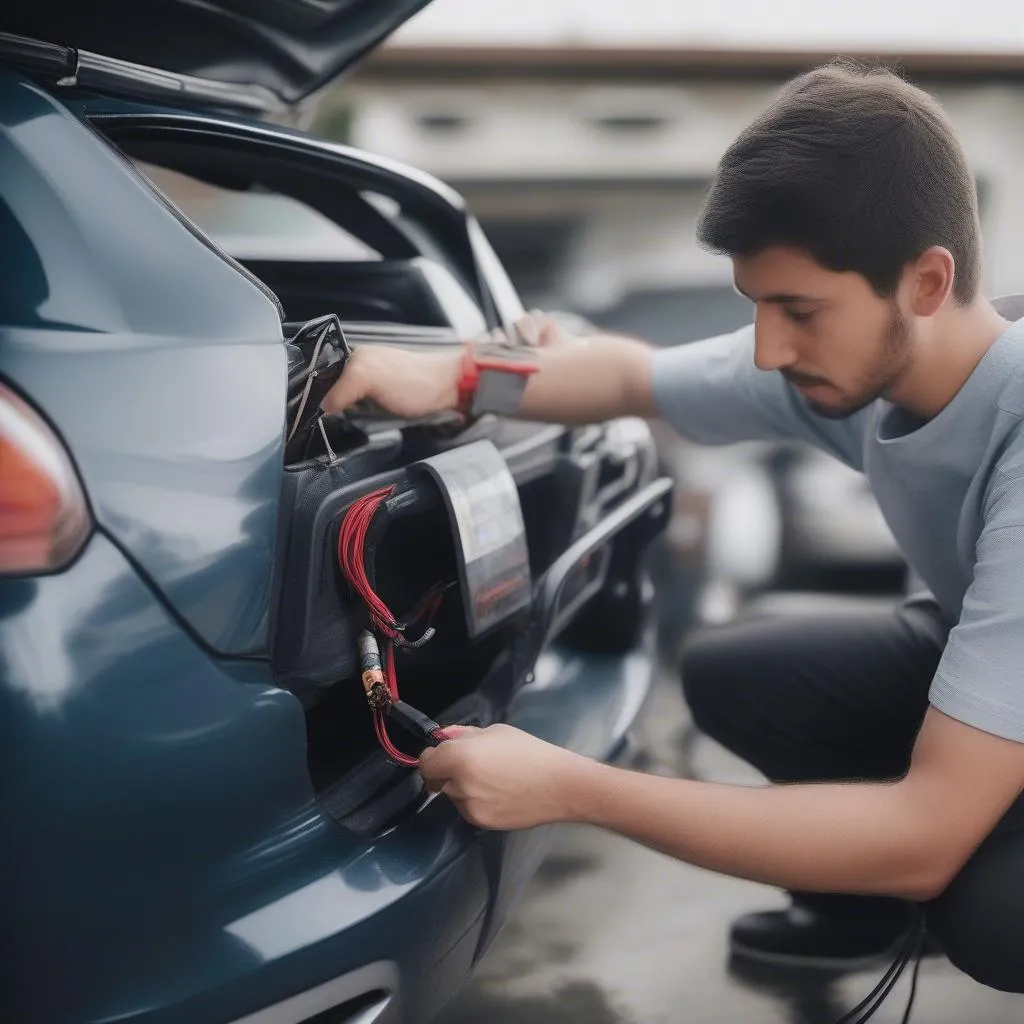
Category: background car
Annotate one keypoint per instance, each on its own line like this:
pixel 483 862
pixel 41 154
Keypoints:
pixel 199 823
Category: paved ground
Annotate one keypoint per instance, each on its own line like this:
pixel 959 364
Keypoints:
pixel 611 933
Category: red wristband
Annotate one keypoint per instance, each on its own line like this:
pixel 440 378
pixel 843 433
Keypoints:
pixel 469 378
pixel 472 369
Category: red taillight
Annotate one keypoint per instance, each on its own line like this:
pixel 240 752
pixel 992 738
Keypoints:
pixel 44 519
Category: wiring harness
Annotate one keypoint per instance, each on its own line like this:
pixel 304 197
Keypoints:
pixel 380 680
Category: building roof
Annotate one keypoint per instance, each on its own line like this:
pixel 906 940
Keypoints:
pixel 935 26
pixel 666 63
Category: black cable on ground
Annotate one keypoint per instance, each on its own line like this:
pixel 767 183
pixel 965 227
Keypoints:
pixel 869 1005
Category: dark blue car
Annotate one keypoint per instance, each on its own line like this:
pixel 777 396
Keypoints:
pixel 198 823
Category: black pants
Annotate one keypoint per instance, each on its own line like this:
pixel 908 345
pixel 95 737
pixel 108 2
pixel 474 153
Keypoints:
pixel 839 697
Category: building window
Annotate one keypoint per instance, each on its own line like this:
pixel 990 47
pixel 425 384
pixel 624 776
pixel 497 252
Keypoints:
pixel 632 111
pixel 442 122
pixel 630 123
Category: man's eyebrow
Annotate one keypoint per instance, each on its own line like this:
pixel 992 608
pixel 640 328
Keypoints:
pixel 780 298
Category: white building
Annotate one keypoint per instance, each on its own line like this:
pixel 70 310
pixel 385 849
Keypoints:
pixel 587 164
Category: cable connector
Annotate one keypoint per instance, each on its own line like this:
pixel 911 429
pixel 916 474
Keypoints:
pixel 378 696
pixel 422 726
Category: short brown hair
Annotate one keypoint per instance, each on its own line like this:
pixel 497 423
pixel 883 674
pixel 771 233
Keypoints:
pixel 856 167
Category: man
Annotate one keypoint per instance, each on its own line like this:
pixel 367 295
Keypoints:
pixel 895 740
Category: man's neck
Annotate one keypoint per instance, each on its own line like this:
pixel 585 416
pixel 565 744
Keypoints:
pixel 944 361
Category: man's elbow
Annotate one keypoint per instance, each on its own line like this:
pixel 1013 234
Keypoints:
pixel 924 888
pixel 928 878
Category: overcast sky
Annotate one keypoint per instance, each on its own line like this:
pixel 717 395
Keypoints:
pixel 800 24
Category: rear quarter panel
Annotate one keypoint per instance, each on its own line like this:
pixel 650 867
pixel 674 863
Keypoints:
pixel 162 367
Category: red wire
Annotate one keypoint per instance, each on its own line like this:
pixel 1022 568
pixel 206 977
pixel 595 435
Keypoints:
pixel 351 545
pixel 385 741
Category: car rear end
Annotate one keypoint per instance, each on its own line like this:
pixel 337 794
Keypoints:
pixel 202 826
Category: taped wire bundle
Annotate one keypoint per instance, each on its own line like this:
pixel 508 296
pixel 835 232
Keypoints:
pixel 380 680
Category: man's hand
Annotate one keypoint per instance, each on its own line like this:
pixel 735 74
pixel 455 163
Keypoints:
pixel 407 384
pixel 503 778
pixel 538 329
pixel 412 384
pixel 580 379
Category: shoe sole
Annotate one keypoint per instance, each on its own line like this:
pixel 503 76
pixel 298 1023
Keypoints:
pixel 833 964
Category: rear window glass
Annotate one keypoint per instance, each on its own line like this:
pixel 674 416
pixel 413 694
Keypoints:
pixel 258 225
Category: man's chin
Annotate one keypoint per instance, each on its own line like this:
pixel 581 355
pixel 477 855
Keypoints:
pixel 837 410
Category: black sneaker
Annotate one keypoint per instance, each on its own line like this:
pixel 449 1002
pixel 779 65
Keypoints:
pixel 804 938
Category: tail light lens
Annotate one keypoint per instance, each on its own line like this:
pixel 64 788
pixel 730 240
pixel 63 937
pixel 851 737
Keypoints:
pixel 44 518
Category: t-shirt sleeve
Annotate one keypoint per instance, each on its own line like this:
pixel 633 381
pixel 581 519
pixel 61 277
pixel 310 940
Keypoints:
pixel 712 393
pixel 980 678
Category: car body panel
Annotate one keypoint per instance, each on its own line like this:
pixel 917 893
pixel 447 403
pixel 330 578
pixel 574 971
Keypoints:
pixel 442 210
pixel 285 48
pixel 186 477
pixel 225 889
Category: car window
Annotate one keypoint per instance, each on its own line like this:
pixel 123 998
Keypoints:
pixel 258 225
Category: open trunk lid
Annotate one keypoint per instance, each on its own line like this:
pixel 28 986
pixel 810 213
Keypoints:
pixel 252 55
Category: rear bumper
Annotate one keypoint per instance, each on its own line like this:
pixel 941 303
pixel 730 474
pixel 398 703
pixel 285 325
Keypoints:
pixel 407 959
pixel 171 863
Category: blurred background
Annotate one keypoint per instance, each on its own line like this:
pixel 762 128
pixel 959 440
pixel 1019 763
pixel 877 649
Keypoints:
pixel 583 134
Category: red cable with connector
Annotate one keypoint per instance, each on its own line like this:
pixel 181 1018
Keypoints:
pixel 351 545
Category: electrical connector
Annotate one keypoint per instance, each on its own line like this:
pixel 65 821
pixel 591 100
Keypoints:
pixel 378 696
pixel 414 721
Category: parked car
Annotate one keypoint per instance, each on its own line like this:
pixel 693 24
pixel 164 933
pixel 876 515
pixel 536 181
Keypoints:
pixel 199 824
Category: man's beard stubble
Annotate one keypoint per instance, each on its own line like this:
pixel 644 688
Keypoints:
pixel 879 381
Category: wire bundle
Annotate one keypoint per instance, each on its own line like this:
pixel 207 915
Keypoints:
pixel 351 546
pixel 910 950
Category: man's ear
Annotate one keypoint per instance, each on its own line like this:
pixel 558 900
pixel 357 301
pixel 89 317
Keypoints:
pixel 931 278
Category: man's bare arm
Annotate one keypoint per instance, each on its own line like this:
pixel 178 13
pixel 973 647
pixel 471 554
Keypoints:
pixel 580 381
pixel 904 838
pixel 601 378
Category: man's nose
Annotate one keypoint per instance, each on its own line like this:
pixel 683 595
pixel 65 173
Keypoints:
pixel 773 348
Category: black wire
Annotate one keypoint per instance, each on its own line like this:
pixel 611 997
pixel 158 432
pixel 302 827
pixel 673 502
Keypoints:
pixel 853 1016
pixel 884 993
pixel 869 1005
pixel 913 980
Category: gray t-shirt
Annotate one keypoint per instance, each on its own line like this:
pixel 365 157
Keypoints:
pixel 951 489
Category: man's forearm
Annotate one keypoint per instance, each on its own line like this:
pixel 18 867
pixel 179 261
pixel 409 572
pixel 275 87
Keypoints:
pixel 600 378
pixel 826 837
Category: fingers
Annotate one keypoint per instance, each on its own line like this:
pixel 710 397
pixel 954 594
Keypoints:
pixel 347 390
pixel 437 765
pixel 433 785
pixel 433 769
pixel 449 732
pixel 456 732
pixel 528 328
pixel 527 331
pixel 454 791
pixel 344 394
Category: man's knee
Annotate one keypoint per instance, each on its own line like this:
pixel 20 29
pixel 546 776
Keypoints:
pixel 711 677
pixel 978 919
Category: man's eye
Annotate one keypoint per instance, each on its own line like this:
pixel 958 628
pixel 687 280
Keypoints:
pixel 799 317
